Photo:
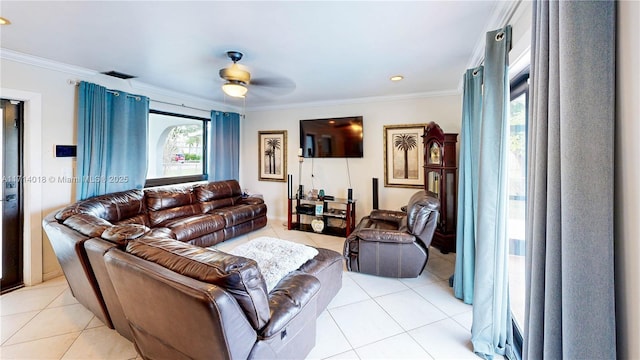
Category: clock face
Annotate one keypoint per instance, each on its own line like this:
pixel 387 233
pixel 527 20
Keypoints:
pixel 434 153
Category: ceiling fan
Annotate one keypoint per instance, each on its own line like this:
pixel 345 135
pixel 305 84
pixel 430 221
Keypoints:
pixel 237 78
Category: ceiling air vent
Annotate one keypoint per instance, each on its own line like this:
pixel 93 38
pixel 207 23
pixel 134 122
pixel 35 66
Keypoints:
pixel 119 75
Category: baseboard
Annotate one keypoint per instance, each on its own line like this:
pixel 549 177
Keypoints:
pixel 52 275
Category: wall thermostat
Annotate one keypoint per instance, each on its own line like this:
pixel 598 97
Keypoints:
pixel 66 150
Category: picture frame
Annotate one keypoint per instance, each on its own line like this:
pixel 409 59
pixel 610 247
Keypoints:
pixel 404 155
pixel 272 155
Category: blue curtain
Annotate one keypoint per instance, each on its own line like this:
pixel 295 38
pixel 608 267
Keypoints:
pixel 468 185
pixel 491 331
pixel 112 140
pixel 224 148
pixel 570 266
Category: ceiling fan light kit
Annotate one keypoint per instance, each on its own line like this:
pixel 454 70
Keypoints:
pixel 238 78
pixel 235 89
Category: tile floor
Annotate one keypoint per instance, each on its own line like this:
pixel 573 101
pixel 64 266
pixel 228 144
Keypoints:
pixel 370 318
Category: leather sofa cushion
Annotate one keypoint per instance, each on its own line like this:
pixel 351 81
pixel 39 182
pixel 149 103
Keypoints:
pixel 112 207
pixel 168 204
pixel 234 215
pixel 160 199
pixel 239 276
pixel 191 227
pixel 218 190
pixel 142 219
pixel 161 233
pixel 163 217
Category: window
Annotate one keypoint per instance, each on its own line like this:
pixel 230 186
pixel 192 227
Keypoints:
pixel 177 148
pixel 517 165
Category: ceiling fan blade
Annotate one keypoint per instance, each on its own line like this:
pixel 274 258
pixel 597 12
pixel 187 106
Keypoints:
pixel 273 85
pixel 279 82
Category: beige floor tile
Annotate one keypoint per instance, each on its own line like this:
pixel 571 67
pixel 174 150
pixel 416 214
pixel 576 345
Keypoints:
pixel 465 319
pixel 12 323
pixel 329 339
pixel 51 322
pixel 396 347
pixel 349 355
pixel 440 266
pixel 52 347
pixel 425 278
pixel 377 285
pixel 57 281
pixel 445 339
pixel 229 245
pixel 349 293
pixel 441 295
pixel 409 309
pixel 66 298
pixel 364 323
pixel 29 299
pixel 101 343
pixel 95 322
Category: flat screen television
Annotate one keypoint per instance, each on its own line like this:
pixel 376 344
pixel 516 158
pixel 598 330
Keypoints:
pixel 332 138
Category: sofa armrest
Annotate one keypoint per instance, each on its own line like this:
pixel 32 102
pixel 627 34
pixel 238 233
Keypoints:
pixel 386 236
pixel 288 299
pixel 388 215
pixel 87 224
pixel 121 234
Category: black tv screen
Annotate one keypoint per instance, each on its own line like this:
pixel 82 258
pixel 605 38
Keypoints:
pixel 334 137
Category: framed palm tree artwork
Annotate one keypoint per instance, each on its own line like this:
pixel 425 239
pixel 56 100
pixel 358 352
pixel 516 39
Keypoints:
pixel 272 155
pixel 403 156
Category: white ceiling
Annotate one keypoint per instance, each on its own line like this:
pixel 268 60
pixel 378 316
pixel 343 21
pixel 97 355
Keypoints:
pixel 322 51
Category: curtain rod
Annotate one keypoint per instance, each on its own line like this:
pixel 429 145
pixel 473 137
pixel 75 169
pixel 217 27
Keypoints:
pixel 137 97
pixel 114 92
pixel 181 105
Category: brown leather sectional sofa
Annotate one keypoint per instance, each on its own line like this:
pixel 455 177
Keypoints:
pixel 139 261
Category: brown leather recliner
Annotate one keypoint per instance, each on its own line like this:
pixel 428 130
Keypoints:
pixel 394 243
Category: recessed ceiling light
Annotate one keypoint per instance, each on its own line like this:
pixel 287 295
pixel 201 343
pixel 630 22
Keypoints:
pixel 4 21
pixel 397 78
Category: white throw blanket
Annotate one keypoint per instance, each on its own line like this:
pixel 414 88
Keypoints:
pixel 275 257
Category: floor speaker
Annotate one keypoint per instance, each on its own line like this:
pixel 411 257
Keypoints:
pixel 375 193
pixel 350 195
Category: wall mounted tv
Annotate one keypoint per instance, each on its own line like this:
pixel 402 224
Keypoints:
pixel 333 137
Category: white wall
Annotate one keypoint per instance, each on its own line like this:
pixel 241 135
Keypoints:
pixel 627 180
pixel 331 174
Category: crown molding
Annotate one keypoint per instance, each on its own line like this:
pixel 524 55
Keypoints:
pixel 45 63
pixel 362 100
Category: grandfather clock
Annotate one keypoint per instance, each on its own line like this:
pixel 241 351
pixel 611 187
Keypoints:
pixel 441 178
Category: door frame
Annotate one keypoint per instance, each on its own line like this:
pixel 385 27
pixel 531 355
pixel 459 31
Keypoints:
pixel 32 191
